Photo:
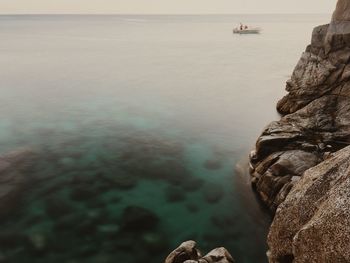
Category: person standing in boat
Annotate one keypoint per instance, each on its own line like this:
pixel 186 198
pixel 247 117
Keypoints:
pixel 241 26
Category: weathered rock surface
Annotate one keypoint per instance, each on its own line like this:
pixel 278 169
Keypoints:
pixel 316 111
pixel 342 11
pixel 301 165
pixel 187 252
pixel 313 223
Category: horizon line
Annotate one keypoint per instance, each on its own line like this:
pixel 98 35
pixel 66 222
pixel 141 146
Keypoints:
pixel 161 14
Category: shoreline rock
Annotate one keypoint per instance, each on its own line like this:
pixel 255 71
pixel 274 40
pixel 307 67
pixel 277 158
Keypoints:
pixel 188 252
pixel 315 115
pixel 300 167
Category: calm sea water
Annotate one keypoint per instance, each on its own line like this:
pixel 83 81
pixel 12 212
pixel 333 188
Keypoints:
pixel 139 124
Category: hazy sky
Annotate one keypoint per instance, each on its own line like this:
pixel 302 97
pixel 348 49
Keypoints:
pixel 167 6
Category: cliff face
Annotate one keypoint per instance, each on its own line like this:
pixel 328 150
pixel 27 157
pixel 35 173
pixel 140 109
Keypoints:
pixel 301 165
pixel 316 111
pixel 342 11
pixel 313 224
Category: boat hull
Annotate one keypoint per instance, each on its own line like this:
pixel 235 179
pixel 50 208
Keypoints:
pixel 246 31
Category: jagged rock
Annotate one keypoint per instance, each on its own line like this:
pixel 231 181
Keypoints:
pixel 218 255
pixel 301 165
pixel 317 115
pixel 313 224
pixel 187 252
pixel 342 12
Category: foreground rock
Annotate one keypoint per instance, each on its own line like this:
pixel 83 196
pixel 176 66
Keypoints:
pixel 187 252
pixel 316 111
pixel 313 223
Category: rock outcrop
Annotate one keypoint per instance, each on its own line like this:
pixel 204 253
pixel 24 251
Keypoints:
pixel 316 113
pixel 313 223
pixel 301 166
pixel 187 252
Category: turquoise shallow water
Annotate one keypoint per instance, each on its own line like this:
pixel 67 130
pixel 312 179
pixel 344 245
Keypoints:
pixel 140 127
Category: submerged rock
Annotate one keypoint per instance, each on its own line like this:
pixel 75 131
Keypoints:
pixel 174 194
pixel 38 242
pixel 154 242
pixel 187 252
pixel 14 177
pixel 139 219
pixel 213 164
pixel 57 207
pixel 213 193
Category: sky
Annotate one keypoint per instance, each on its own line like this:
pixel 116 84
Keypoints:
pixel 166 6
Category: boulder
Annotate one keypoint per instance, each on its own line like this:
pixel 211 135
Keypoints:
pixel 313 223
pixel 187 252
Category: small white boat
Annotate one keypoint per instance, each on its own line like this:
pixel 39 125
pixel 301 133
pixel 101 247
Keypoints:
pixel 247 30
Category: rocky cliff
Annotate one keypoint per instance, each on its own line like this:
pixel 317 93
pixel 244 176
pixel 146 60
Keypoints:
pixel 301 165
pixel 316 113
pixel 313 224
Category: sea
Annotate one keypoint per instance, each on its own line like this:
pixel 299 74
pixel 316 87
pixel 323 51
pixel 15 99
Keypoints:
pixel 138 130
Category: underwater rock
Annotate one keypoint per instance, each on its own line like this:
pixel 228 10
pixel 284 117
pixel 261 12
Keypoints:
pixel 187 252
pixel 213 192
pixel 68 222
pixel 56 207
pixel 10 238
pixel 15 168
pixel 154 242
pixel 213 164
pixel 193 208
pixel 121 180
pixel 109 229
pixel 138 219
pixel 83 192
pixel 67 163
pixel 174 194
pixel 3 258
pixel 222 221
pixel 192 183
pixel 38 242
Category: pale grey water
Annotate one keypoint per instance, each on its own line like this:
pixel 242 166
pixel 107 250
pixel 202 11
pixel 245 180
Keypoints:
pixel 150 80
